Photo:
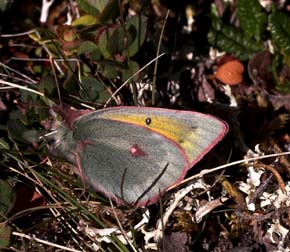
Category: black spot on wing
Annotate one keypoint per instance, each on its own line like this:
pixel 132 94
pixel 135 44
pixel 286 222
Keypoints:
pixel 148 121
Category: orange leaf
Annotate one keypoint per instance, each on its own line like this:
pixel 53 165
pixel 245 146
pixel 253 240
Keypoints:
pixel 230 72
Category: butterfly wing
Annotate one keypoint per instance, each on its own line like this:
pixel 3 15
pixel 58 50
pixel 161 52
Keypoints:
pixel 196 133
pixel 134 154
pixel 126 162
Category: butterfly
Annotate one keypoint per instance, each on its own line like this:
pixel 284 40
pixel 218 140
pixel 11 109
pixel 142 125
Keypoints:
pixel 133 154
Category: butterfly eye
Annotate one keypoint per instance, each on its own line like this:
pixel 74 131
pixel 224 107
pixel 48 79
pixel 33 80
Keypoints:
pixel 148 121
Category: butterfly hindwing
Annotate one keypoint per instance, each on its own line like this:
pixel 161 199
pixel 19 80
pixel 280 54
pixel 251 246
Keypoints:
pixel 126 161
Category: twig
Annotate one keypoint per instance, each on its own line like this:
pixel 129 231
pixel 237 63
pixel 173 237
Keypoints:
pixel 21 87
pixel 126 82
pixel 46 4
pixel 275 173
pixel 207 171
pixel 156 63
pixel 33 238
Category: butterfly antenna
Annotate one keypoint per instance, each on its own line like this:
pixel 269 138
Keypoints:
pixel 122 186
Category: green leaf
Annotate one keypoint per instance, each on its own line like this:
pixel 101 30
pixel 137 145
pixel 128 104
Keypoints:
pixel 127 73
pixel 47 84
pixel 3 144
pixel 110 71
pixel 90 6
pixel 110 11
pixel 105 10
pixel 85 20
pixel 103 39
pixel 279 25
pixel 90 49
pixel 253 18
pixel 42 35
pixel 19 132
pixel 136 27
pixel 3 147
pixel 232 40
pixel 285 88
pixel 114 39
pixel 7 201
pixel 116 44
pixel 5 235
pixel 93 90
pixel 4 5
pixel 7 198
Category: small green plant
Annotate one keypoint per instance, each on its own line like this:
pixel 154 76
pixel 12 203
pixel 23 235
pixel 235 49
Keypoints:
pixel 105 46
pixel 257 26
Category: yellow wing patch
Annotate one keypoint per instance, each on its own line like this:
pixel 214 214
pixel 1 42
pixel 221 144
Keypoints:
pixel 183 134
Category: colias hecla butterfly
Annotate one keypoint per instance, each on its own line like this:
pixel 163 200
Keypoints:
pixel 133 154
